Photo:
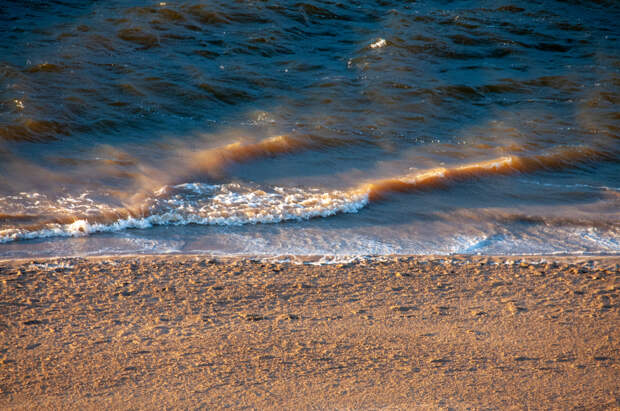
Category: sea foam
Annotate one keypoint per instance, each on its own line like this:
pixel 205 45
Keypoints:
pixel 196 203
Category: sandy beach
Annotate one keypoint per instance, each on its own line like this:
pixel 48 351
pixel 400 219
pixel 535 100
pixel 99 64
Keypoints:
pixel 163 332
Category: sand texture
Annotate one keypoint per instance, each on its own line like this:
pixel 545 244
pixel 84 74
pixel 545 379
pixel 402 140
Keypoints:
pixel 162 332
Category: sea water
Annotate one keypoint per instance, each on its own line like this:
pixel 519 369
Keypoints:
pixel 314 127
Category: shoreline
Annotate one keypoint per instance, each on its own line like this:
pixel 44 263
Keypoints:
pixel 399 332
pixel 309 258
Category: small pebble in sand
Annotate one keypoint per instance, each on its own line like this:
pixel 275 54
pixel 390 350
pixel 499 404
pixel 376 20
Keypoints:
pixel 514 308
pixel 253 317
pixel 402 308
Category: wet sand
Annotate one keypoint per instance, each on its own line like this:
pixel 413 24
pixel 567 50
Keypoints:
pixel 405 333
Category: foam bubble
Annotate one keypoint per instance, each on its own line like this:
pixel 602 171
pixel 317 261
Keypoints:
pixel 378 44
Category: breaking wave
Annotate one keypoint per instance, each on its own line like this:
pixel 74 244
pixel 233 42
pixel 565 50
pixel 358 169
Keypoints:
pixel 196 203
pixel 32 215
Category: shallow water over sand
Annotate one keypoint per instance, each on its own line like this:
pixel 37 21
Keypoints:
pixel 371 127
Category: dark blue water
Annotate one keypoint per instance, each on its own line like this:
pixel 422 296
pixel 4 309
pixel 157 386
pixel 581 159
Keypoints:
pixel 316 127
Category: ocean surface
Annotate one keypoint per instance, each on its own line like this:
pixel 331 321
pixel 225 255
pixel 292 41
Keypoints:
pixel 309 127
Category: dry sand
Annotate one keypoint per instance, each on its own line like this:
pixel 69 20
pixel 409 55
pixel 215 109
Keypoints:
pixel 409 333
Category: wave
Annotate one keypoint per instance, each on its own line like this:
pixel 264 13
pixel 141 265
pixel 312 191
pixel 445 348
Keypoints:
pixel 214 160
pixel 198 203
pixel 237 204
pixel 568 157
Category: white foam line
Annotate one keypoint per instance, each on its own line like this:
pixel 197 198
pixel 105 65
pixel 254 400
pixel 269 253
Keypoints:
pixel 83 227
